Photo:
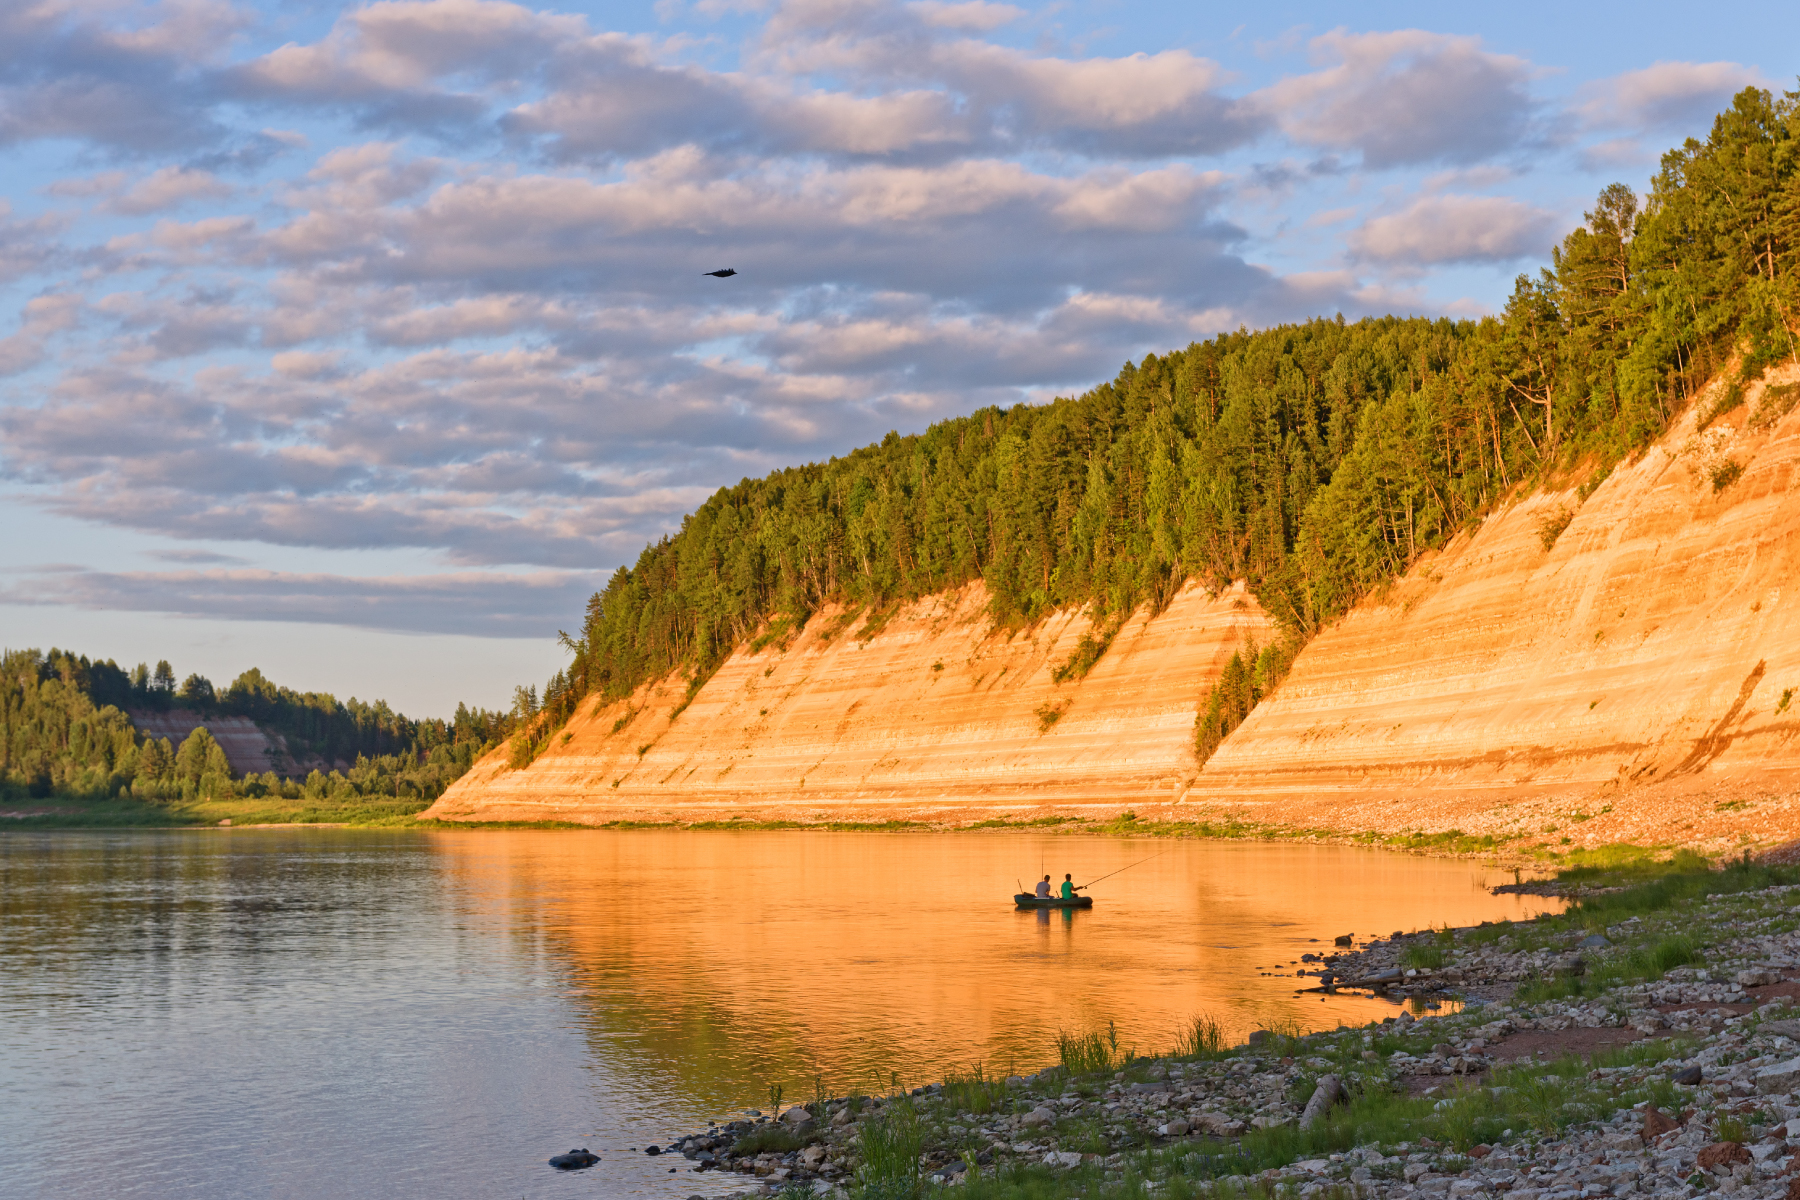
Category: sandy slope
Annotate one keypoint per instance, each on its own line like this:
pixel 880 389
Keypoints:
pixel 1625 684
pixel 935 712
pixel 1638 666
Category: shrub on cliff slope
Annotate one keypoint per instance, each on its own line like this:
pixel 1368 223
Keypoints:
pixel 1313 460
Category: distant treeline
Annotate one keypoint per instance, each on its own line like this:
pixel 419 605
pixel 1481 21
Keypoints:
pixel 65 730
pixel 1315 460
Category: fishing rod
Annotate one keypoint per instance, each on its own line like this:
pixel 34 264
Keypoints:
pixel 1090 883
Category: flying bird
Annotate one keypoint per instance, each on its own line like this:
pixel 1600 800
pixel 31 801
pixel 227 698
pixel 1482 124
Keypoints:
pixel 727 273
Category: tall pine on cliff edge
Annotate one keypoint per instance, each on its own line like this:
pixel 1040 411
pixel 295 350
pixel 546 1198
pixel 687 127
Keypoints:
pixel 1313 460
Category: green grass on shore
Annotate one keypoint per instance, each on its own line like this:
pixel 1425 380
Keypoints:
pixel 267 810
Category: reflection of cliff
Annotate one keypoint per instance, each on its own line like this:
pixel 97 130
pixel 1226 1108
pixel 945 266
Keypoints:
pixel 933 709
pixel 716 963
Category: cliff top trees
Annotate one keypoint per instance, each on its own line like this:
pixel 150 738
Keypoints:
pixel 1315 460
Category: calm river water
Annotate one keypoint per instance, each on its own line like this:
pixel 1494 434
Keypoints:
pixel 320 1013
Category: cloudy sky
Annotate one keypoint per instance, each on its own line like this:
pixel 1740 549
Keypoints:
pixel 360 343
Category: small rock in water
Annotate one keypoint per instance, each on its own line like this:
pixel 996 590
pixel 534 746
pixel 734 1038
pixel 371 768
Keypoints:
pixel 574 1160
pixel 653 1151
pixel 1343 939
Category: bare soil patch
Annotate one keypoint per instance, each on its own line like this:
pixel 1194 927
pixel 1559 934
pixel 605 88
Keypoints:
pixel 1554 1043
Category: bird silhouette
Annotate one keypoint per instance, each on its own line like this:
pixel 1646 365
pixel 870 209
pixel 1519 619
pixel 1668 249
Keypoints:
pixel 727 273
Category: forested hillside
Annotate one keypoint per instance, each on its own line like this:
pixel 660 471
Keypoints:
pixel 65 730
pixel 1315 460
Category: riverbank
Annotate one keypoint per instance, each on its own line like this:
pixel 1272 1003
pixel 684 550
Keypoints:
pixel 64 813
pixel 1581 861
pixel 1643 1042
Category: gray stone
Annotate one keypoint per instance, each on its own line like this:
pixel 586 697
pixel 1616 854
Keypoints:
pixel 1328 1092
pixel 1593 941
pixel 1175 1128
pixel 1037 1118
pixel 1062 1158
pixel 1218 1124
pixel 1782 1077
pixel 1259 1037
pixel 1757 977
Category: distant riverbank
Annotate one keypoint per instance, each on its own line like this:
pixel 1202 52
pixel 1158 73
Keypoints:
pixel 1525 853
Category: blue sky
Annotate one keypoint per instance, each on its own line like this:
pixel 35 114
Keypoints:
pixel 361 343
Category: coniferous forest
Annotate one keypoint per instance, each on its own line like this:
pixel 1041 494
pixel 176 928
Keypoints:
pixel 1314 461
pixel 66 730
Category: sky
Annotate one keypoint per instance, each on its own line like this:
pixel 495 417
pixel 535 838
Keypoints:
pixel 362 343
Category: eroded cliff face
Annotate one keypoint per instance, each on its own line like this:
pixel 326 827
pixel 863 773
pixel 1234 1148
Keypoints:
pixel 1639 679
pixel 935 711
pixel 1635 681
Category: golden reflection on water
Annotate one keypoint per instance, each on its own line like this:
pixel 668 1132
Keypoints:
pixel 707 966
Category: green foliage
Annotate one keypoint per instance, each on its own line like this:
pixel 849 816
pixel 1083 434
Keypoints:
pixel 1551 525
pixel 1674 887
pixel 1249 675
pixel 769 1139
pixel 891 1143
pixel 972 1091
pixel 1091 1052
pixel 1730 1128
pixel 55 740
pixel 1088 649
pixel 1315 461
pixel 1203 1037
pixel 66 732
pixel 1776 403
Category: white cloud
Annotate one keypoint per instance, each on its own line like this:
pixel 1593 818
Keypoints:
pixel 1409 96
pixel 1664 96
pixel 169 187
pixel 1455 229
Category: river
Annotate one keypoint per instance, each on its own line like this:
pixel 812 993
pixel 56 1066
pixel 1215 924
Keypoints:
pixel 306 1013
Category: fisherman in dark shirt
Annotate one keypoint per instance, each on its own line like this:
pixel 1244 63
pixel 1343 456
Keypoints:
pixel 1043 888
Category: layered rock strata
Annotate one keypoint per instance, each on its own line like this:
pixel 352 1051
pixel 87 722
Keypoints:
pixel 1615 660
pixel 933 710
pixel 1642 663
pixel 246 746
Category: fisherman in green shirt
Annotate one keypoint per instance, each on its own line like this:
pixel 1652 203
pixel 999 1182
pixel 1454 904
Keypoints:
pixel 1068 888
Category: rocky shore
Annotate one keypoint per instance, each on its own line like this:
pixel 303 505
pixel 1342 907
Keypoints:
pixel 1657 1056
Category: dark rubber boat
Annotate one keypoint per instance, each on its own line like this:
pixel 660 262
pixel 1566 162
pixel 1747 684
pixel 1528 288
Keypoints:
pixel 1023 900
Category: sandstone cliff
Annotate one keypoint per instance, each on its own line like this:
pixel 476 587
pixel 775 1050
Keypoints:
pixel 1634 680
pixel 934 710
